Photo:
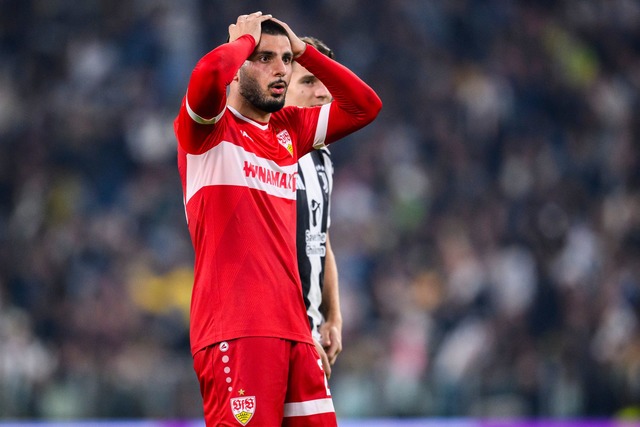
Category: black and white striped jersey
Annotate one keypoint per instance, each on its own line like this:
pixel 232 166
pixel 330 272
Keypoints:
pixel 314 185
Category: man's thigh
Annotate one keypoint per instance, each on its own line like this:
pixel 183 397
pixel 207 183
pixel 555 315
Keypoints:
pixel 258 381
pixel 244 381
pixel 308 400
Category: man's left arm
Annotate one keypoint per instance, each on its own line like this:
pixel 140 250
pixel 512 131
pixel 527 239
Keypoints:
pixel 331 328
pixel 355 104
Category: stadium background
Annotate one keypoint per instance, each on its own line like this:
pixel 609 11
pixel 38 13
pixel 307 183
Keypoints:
pixel 487 225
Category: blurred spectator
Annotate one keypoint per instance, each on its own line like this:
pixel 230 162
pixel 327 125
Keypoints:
pixel 487 225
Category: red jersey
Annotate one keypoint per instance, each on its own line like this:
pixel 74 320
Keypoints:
pixel 239 184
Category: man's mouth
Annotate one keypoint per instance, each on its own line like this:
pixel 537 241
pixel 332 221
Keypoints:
pixel 278 88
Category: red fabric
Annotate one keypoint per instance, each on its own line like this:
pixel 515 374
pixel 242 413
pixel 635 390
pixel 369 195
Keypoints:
pixel 246 281
pixel 240 385
pixel 207 92
pixel 238 178
pixel 354 105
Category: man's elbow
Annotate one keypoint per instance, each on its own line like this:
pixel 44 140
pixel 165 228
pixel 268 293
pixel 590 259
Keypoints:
pixel 374 105
pixel 377 105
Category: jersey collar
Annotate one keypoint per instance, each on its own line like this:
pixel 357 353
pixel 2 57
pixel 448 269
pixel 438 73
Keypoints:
pixel 248 120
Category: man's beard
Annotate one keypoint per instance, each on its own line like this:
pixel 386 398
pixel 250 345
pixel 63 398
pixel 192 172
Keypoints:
pixel 250 90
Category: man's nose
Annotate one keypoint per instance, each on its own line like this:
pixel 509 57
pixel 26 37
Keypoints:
pixel 280 68
pixel 322 91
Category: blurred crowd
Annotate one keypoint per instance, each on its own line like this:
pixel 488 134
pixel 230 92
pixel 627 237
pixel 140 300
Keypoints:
pixel 486 225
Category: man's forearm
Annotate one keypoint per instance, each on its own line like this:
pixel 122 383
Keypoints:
pixel 330 291
pixel 212 74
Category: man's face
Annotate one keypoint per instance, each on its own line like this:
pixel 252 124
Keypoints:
pixel 265 76
pixel 305 90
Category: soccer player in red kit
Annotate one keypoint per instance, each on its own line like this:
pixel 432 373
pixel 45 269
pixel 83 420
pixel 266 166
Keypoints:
pixel 237 158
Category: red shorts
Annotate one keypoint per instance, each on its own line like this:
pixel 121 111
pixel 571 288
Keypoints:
pixel 261 381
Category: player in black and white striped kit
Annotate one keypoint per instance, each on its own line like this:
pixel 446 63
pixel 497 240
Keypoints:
pixel 316 262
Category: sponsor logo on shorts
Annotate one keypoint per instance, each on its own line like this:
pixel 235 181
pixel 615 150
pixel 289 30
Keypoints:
pixel 243 408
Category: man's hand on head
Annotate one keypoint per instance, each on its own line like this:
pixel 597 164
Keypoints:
pixel 297 46
pixel 248 24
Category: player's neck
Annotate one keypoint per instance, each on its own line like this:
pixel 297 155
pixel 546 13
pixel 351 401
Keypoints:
pixel 244 107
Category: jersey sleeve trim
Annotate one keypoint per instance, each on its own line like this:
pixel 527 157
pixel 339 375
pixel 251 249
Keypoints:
pixel 321 128
pixel 196 118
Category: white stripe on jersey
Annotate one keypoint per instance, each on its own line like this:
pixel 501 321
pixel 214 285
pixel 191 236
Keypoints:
pixel 310 407
pixel 321 128
pixel 196 118
pixel 247 119
pixel 229 164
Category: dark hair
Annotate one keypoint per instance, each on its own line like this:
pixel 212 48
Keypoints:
pixel 320 45
pixel 273 28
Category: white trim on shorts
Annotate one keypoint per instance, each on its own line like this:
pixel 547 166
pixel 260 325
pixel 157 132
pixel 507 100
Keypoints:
pixel 310 407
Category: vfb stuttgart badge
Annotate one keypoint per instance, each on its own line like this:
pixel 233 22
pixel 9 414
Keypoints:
pixel 243 408
pixel 285 140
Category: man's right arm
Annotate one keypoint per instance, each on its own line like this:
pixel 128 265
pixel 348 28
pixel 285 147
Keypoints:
pixel 206 94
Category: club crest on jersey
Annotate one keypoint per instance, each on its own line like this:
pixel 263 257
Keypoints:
pixel 243 408
pixel 285 140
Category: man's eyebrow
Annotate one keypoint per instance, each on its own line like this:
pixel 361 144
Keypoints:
pixel 271 53
pixel 263 52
